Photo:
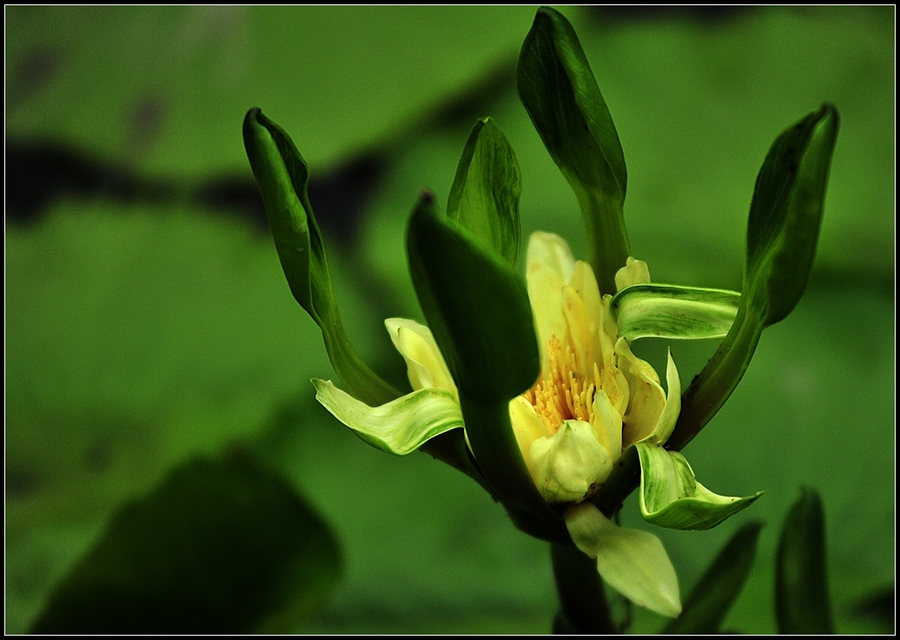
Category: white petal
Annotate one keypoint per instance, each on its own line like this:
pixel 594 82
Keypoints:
pixel 634 562
pixel 425 364
pixel 400 426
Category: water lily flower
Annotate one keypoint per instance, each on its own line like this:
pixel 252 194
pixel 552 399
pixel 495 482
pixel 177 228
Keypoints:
pixel 593 399
pixel 544 403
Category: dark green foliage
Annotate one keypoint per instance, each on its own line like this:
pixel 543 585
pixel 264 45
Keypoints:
pixel 219 547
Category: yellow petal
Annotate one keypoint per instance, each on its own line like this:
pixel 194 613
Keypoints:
pixel 608 424
pixel 425 365
pixel 608 333
pixel 646 399
pixel 579 332
pixel 585 285
pixel 569 464
pixel 527 426
pixel 549 267
pixel 669 416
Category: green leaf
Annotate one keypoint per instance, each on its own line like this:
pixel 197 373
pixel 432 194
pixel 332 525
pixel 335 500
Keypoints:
pixel 282 176
pixel 219 547
pixel 485 194
pixel 400 426
pixel 782 233
pixel 478 310
pixel 671 496
pixel 558 89
pixel 671 311
pixel 720 586
pixel 802 603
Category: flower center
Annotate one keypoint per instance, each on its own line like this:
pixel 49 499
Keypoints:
pixel 563 393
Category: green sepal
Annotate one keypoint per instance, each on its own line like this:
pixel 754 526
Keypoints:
pixel 672 311
pixel 802 601
pixel 558 89
pixel 671 497
pixel 782 232
pixel 717 590
pixel 400 426
pixel 478 310
pixel 282 176
pixel 485 194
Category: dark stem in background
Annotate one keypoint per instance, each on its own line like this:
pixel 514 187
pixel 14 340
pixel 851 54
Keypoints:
pixel 583 603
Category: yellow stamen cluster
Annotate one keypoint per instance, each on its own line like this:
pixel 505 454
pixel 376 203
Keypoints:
pixel 563 392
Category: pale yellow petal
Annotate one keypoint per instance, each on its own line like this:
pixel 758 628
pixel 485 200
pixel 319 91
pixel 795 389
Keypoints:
pixel 607 422
pixel 614 383
pixel 608 332
pixel 634 562
pixel 634 272
pixel 646 399
pixel 585 284
pixel 527 426
pixel 578 332
pixel 549 267
pixel 669 416
pixel 425 364
pixel 552 252
pixel 570 464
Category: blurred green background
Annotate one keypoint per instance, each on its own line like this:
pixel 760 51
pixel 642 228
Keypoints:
pixel 148 320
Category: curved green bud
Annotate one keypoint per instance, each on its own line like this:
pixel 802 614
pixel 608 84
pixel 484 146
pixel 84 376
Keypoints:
pixel 485 194
pixel 282 176
pixel 671 496
pixel 558 89
pixel 782 234
pixel 786 214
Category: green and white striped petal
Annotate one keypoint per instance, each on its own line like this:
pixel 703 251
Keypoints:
pixel 400 426
pixel 646 310
pixel 671 496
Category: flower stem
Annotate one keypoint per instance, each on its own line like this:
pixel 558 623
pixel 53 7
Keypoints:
pixel 714 384
pixel 583 606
